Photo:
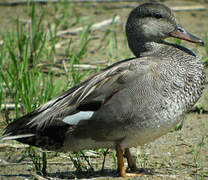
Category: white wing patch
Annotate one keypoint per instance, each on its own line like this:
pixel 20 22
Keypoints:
pixel 76 118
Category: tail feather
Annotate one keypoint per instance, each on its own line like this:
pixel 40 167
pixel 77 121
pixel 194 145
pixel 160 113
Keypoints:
pixel 20 124
pixel 8 137
pixel 51 137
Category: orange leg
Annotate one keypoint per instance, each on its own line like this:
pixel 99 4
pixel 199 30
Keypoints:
pixel 130 160
pixel 120 162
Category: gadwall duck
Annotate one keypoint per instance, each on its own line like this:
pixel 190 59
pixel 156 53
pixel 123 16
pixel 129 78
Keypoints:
pixel 128 104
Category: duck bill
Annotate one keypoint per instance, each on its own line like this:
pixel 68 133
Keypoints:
pixel 180 33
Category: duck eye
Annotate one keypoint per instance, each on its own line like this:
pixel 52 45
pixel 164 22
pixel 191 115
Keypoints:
pixel 158 16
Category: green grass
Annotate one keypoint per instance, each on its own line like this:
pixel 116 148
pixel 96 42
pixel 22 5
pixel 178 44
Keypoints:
pixel 21 77
pixel 27 78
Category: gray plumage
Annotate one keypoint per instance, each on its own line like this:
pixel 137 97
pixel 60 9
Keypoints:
pixel 130 103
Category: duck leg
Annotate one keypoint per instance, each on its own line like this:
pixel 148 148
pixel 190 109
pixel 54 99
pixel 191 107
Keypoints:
pixel 130 160
pixel 120 162
pixel 132 164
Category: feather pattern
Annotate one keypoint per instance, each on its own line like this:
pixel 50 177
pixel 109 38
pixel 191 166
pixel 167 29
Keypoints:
pixel 100 86
pixel 130 103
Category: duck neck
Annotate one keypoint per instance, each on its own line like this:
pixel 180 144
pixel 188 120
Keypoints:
pixel 145 48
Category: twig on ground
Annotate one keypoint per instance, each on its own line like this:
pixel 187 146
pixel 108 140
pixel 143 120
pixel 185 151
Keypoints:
pixel 77 67
pixel 84 67
pixel 196 7
pixel 60 44
pixel 9 145
pixel 80 29
pixel 188 8
pixel 9 106
pixel 93 27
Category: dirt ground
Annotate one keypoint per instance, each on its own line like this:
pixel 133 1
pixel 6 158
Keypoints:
pixel 181 154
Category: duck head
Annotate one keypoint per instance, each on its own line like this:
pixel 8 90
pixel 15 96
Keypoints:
pixel 153 22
